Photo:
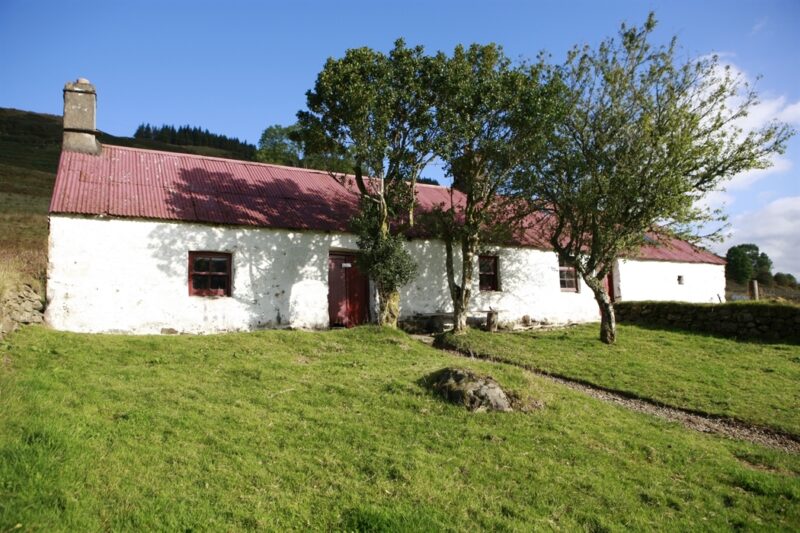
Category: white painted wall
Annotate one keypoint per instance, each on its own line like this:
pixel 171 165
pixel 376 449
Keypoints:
pixel 529 284
pixel 125 275
pixel 658 280
pixel 131 276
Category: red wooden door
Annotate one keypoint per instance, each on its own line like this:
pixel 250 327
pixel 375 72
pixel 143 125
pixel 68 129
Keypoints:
pixel 347 291
pixel 609 285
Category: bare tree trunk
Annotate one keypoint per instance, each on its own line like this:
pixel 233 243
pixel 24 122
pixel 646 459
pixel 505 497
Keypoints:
pixel 459 296
pixel 388 300
pixel 608 323
pixel 461 304
pixel 388 307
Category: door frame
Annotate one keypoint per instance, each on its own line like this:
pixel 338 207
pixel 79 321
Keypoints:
pixel 357 287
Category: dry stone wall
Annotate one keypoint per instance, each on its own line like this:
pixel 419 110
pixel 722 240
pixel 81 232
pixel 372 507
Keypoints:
pixel 19 307
pixel 743 320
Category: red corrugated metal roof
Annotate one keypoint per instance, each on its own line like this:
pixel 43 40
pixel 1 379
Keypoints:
pixel 131 182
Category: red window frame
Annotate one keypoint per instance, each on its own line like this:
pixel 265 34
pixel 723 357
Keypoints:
pixel 568 276
pixel 488 280
pixel 212 280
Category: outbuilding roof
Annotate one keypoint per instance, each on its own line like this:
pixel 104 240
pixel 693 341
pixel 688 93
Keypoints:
pixel 132 182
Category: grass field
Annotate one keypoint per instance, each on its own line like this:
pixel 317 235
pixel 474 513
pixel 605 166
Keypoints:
pixel 753 382
pixel 332 430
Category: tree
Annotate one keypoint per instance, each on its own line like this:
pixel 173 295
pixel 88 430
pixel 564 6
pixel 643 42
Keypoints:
pixel 644 139
pixel 284 145
pixel 739 267
pixel 276 146
pixel 783 279
pixel 746 262
pixel 374 110
pixel 490 117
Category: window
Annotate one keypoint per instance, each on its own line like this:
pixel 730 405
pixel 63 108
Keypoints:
pixel 209 274
pixel 567 276
pixel 680 280
pixel 487 273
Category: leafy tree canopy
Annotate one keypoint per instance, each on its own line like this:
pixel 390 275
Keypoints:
pixel 645 136
pixel 783 279
pixel 374 110
pixel 490 117
pixel 746 262
pixel 284 145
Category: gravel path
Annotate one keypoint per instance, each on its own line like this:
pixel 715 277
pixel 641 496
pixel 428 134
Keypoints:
pixel 696 421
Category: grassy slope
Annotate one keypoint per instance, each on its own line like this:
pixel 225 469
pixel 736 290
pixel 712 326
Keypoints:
pixel 754 382
pixel 331 430
pixel 734 291
pixel 30 145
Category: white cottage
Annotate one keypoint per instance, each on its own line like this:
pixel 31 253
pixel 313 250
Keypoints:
pixel 143 241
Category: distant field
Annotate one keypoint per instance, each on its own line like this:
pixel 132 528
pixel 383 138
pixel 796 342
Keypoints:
pixel 332 431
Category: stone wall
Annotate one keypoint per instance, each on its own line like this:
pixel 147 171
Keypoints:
pixel 19 306
pixel 743 320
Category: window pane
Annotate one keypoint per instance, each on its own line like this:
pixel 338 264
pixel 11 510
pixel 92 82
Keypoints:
pixel 201 264
pixel 199 282
pixel 486 264
pixel 219 282
pixel 219 264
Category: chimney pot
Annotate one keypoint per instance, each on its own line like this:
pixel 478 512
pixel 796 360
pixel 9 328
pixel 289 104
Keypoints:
pixel 80 108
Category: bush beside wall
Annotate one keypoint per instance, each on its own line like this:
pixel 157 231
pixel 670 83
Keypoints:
pixel 743 320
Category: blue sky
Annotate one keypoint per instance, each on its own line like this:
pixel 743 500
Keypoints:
pixel 236 67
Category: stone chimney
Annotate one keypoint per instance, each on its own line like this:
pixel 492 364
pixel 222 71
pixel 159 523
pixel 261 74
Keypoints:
pixel 80 110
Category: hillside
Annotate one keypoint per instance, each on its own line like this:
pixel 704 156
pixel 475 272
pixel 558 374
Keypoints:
pixel 30 145
pixel 735 292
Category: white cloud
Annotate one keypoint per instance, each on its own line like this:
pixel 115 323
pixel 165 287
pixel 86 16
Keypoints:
pixel 758 26
pixel 744 180
pixel 715 200
pixel 775 229
pixel 790 113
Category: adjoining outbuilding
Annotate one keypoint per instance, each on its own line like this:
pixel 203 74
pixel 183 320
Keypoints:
pixel 143 241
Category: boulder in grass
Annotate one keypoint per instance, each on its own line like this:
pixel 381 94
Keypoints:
pixel 476 393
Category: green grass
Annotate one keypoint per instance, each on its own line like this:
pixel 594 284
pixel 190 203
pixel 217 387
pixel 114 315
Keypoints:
pixel 293 430
pixel 753 382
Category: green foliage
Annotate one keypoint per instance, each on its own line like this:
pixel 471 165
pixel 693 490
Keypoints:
pixel 645 137
pixel 194 136
pixel 490 116
pixel 783 279
pixel 331 431
pixel 765 278
pixel 374 110
pixel 382 258
pixel 283 145
pixel 276 146
pixel 746 262
pixel 739 266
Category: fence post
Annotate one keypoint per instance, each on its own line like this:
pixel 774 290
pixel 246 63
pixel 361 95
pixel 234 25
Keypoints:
pixel 753 286
pixel 491 320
